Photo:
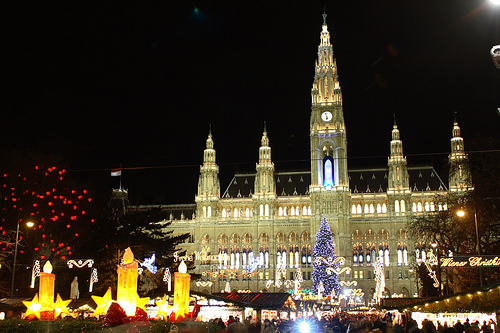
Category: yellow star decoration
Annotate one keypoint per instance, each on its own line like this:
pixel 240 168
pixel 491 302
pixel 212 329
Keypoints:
pixel 141 302
pixel 163 307
pixel 103 303
pixel 60 306
pixel 33 307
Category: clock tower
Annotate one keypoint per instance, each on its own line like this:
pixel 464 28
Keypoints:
pixel 329 180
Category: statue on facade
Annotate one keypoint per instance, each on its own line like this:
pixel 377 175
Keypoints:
pixel 74 292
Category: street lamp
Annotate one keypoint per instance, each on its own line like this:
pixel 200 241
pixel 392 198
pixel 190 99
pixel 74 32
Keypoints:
pixel 29 225
pixel 461 213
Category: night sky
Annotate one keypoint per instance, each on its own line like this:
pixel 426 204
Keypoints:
pixel 106 83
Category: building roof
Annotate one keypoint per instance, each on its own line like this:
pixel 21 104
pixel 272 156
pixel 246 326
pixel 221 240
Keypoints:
pixel 361 180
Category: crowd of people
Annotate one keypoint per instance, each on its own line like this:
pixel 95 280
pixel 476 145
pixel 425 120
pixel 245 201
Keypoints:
pixel 344 322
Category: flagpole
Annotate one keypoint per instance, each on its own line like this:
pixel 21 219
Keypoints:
pixel 120 177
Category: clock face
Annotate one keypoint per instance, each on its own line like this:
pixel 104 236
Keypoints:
pixel 326 116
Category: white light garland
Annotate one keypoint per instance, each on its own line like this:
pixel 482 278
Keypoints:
pixel 93 279
pixel 429 262
pixel 80 263
pixel 378 267
pixel 35 273
pixel 203 284
pixel 167 277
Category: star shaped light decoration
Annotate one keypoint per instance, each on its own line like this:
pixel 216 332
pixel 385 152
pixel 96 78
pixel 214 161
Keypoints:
pixel 163 307
pixel 141 302
pixel 103 303
pixel 33 307
pixel 61 306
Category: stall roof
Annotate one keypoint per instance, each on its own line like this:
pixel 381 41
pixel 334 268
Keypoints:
pixel 256 300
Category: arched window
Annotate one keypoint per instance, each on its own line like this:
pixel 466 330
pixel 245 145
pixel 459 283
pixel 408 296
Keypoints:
pixel 293 237
pixel 280 211
pixel 309 210
pixel 205 239
pixel 358 210
pixel 432 206
pixel 366 209
pixel 372 209
pixel 304 211
pixel 247 212
pixel 209 211
pixel 235 238
pixel 403 206
pixel 384 208
pixel 235 212
pixel 379 209
pixel 204 211
pixel 292 211
pixel 419 206
pixel 414 207
pixel 328 167
pixel 306 237
pixel 224 213
pixel 266 210
pixel 426 206
pixel 297 210
pixel 306 254
pixel 280 237
pixel 396 206
pixel 261 210
pixel 353 210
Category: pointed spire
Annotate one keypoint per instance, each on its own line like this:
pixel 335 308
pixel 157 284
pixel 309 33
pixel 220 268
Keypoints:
pixel 210 142
pixel 395 132
pixel 324 16
pixel 265 139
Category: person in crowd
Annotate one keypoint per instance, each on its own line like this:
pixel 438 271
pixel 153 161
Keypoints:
pixel 459 327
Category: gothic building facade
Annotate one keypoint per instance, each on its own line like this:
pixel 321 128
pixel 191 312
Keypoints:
pixel 259 233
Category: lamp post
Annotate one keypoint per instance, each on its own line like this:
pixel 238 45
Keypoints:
pixel 461 213
pixel 28 224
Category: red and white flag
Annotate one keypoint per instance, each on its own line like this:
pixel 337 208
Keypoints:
pixel 116 172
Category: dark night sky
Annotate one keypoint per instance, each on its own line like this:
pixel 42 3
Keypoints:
pixel 103 83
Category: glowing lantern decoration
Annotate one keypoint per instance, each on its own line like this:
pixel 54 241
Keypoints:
pixel 42 305
pixel 127 283
pixel 182 279
pixel 126 294
pixel 46 291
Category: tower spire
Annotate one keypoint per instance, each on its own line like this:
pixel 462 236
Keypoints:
pixel 460 177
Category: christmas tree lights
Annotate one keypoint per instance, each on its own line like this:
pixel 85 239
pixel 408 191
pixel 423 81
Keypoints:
pixel 325 263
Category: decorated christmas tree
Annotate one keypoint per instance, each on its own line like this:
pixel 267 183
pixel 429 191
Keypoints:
pixel 325 264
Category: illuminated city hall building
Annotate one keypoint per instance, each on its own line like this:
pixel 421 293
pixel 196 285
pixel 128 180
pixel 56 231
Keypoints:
pixel 259 233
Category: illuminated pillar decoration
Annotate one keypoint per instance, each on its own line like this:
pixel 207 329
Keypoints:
pixel 168 279
pixel 182 279
pixel 35 273
pixel 126 289
pixel 378 267
pixel 298 280
pixel 93 279
pixel 46 292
